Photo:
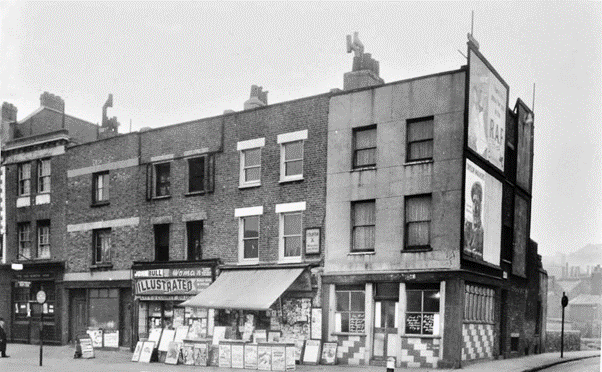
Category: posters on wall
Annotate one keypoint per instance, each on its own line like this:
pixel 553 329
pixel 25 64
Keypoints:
pixel 482 215
pixel 316 324
pixel 250 356
pixel 225 355
pixel 487 102
pixel 238 355
pixel 188 354
pixel 201 354
pixel 278 358
pixel 291 351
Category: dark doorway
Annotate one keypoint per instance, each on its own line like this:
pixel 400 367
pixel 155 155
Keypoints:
pixel 79 313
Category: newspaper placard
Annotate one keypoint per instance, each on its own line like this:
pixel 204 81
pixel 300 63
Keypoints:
pixel 137 351
pixel 87 348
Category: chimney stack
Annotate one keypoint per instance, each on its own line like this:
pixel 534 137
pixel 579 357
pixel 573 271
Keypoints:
pixel 365 69
pixel 9 119
pixel 109 127
pixel 258 98
pixel 53 102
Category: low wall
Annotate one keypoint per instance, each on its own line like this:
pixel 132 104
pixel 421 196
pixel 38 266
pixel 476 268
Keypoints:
pixel 572 341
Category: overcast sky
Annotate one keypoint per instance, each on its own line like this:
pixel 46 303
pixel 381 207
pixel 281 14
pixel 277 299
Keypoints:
pixel 171 62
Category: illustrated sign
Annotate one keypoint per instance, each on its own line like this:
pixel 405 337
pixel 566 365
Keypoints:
pixel 96 336
pixel 147 352
pixel 312 240
pixel 487 102
pixel 137 351
pixel 482 215
pixel 173 273
pixel 278 358
pixel 111 339
pixel 250 356
pixel 171 286
pixel 329 353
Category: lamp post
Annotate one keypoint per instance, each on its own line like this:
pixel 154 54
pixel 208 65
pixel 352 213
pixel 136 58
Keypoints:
pixel 563 302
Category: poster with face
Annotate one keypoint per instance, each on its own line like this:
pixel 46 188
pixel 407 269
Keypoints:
pixel 487 101
pixel 473 210
pixel 482 215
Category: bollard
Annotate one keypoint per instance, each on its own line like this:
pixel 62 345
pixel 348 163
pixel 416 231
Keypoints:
pixel 390 364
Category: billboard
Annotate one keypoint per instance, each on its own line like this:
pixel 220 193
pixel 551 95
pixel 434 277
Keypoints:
pixel 524 151
pixel 487 102
pixel 482 215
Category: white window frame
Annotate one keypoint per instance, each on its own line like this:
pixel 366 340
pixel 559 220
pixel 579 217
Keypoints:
pixel 42 176
pixel 243 146
pixel 241 213
pixel 283 209
pixel 24 177
pixel 287 138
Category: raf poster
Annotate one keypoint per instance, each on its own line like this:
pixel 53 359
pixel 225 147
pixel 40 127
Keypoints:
pixel 486 112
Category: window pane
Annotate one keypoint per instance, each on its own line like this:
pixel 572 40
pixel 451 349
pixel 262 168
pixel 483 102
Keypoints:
pixel 420 130
pixel 365 157
pixel 293 150
pixel 363 238
pixel 364 213
pixel 414 300
pixel 421 150
pixel 418 208
pixel 357 301
pixel 252 157
pixel 418 233
pixel 292 224
pixel 365 138
pixel 293 167
pixel 251 226
pixel 292 246
pixel 431 301
pixel 196 170
pixel 252 174
pixel 342 301
pixel 251 248
pixel 344 322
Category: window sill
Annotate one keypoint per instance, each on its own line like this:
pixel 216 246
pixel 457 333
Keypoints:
pixel 420 336
pixel 468 321
pixel 99 204
pixel 417 162
pixel 361 253
pixel 348 334
pixel 291 179
pixel 248 262
pixel 290 260
pixel 161 197
pixel 416 250
pixel 195 193
pixel 101 266
pixel 367 167
pixel 249 185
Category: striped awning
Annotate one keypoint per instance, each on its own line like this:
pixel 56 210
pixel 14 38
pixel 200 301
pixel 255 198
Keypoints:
pixel 245 289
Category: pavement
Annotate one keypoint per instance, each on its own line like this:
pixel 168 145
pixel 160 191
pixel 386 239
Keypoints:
pixel 25 358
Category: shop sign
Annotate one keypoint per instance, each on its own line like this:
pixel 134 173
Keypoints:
pixel 174 273
pixel 312 240
pixel 44 275
pixel 171 286
pixel 165 298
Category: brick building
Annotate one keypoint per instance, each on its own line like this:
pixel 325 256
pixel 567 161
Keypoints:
pixel 386 217
pixel 427 221
pixel 34 163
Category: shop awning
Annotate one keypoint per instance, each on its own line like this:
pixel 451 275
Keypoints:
pixel 245 289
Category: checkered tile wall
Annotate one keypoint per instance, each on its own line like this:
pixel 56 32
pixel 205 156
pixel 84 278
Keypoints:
pixel 419 352
pixel 477 341
pixel 351 350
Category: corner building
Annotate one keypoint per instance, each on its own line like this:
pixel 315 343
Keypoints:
pixel 421 265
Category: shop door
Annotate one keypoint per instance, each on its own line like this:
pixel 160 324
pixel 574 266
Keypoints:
pixel 385 329
pixel 79 319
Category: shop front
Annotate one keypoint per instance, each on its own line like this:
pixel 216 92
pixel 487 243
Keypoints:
pixel 373 318
pixel 100 306
pixel 161 287
pixel 256 307
pixel 26 312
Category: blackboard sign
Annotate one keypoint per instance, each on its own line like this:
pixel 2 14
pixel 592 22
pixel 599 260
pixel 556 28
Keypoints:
pixel 428 321
pixel 413 323
pixel 356 323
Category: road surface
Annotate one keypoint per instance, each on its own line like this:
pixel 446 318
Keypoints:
pixel 584 365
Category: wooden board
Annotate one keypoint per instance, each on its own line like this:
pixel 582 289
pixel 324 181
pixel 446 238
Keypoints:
pixel 87 348
pixel 329 353
pixel 166 337
pixel 311 354
pixel 173 352
pixel 251 356
pixel 147 351
pixel 137 351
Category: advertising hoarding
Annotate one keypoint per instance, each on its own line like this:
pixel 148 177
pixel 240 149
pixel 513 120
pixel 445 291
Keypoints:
pixel 487 102
pixel 524 151
pixel 482 215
